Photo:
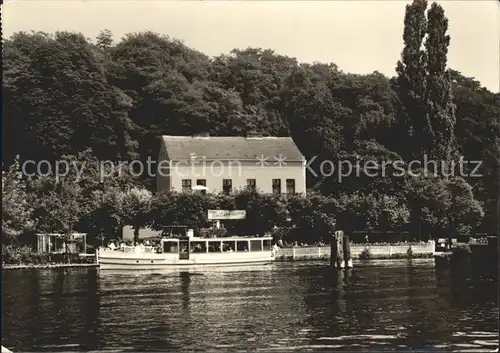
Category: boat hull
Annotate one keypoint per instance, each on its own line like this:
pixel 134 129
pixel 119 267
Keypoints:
pixel 115 260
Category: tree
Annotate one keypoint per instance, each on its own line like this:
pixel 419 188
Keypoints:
pixel 439 93
pixel 441 207
pixel 58 210
pixel 158 73
pixel 478 137
pixel 58 99
pixel 412 82
pixel 16 209
pixel 263 212
pixel 314 216
pixel 178 208
pixel 86 193
pixel 105 218
pixel 65 97
pixel 388 213
pixel 104 39
pixel 136 209
pixel 258 76
pixel 466 212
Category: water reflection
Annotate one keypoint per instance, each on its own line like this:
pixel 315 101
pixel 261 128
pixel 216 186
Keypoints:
pixel 438 305
pixel 185 278
pixel 92 308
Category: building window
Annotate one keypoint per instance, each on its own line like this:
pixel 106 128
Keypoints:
pixel 202 182
pixel 290 186
pixel 227 185
pixel 276 186
pixel 251 184
pixel 186 184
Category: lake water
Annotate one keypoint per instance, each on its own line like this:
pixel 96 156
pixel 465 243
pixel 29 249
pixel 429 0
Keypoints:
pixel 439 306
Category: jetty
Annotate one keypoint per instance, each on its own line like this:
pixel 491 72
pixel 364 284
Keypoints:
pixel 358 251
pixel 340 253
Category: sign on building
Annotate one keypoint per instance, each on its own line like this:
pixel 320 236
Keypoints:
pixel 226 214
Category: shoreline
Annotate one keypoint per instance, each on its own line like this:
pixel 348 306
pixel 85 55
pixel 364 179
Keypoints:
pixel 301 259
pixel 35 266
pixel 315 255
pixel 357 259
pixel 281 260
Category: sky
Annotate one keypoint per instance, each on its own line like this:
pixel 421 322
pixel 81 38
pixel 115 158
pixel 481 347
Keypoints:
pixel 358 36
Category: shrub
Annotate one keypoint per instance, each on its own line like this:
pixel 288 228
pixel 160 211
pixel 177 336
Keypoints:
pixel 25 255
pixel 461 249
pixel 365 254
pixel 409 252
pixel 14 255
pixel 280 233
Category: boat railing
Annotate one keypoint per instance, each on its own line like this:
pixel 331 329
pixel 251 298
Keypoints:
pixel 136 249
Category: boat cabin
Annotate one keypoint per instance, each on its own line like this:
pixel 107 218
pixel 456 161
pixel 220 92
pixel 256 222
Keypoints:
pixel 180 240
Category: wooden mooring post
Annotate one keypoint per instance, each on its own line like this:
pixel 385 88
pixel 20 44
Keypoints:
pixel 340 251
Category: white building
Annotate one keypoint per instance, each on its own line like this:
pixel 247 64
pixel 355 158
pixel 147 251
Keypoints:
pixel 269 164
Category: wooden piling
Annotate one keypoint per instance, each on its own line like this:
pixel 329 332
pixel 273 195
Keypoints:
pixel 347 251
pixel 337 254
pixel 341 255
pixel 334 246
pixel 340 251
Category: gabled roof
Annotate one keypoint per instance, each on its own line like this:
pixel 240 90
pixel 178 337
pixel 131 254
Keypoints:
pixel 231 148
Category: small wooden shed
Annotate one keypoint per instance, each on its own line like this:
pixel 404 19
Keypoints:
pixel 60 243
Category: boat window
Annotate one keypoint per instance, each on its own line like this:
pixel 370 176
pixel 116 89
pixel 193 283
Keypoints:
pixel 170 247
pixel 242 245
pixel 255 245
pixel 183 249
pixel 267 245
pixel 228 246
pixel 198 246
pixel 214 246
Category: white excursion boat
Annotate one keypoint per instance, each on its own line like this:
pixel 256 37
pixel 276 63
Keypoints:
pixel 178 248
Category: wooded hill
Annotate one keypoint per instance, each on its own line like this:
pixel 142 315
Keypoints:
pixel 64 94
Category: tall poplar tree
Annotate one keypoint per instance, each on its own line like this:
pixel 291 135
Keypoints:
pixel 412 82
pixel 425 88
pixel 439 94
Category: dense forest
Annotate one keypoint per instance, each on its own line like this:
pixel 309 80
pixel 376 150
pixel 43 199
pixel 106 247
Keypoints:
pixel 67 96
